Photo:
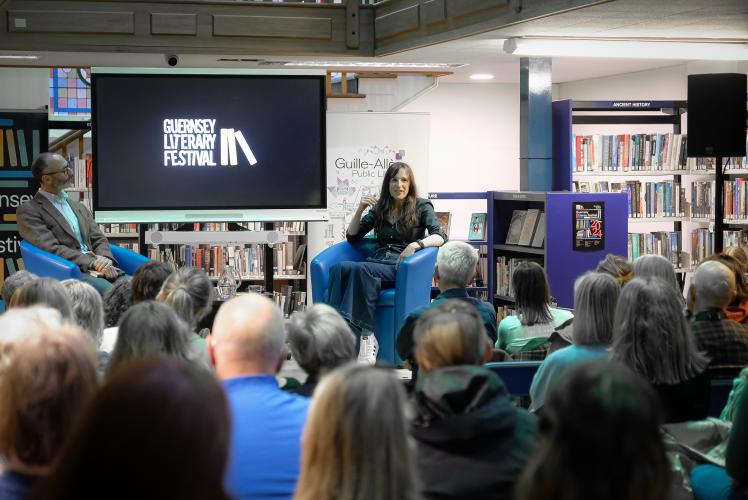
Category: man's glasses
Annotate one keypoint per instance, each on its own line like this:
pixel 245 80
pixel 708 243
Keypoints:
pixel 67 168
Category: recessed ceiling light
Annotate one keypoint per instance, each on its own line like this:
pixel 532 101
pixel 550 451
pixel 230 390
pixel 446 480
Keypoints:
pixel 481 76
pixel 8 56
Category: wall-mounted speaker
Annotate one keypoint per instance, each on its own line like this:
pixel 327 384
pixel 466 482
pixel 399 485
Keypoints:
pixel 717 114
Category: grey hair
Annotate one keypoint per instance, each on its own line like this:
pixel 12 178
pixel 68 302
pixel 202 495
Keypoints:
pixel 320 339
pixel 88 309
pixel 456 262
pixel 14 282
pixel 656 266
pixel 651 335
pixel 595 299
pixel 190 292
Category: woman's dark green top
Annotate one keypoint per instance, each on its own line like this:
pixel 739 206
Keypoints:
pixel 392 242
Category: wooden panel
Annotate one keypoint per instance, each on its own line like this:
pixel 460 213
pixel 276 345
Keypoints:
pixel 317 28
pixel 167 23
pixel 56 21
pixel 434 11
pixel 397 22
pixel 457 8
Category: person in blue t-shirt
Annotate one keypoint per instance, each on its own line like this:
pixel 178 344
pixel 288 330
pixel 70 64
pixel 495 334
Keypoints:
pixel 247 349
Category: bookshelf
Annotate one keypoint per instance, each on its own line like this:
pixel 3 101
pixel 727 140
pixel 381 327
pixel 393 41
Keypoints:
pixel 562 263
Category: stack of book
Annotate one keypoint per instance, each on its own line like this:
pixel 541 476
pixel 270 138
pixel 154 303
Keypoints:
pixel 702 199
pixel 119 228
pixel 505 267
pixel 736 199
pixel 702 243
pixel 656 199
pixel 527 228
pixel 665 243
pixel 628 152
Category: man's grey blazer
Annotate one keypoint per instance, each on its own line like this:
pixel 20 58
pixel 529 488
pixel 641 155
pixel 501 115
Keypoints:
pixel 42 225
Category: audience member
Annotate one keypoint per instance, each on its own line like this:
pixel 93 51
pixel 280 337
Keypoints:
pixel 657 266
pixel 600 439
pixel 116 302
pixel 356 441
pixel 595 300
pixel 616 266
pixel 320 340
pixel 472 442
pixel 150 329
pixel 651 336
pixel 148 279
pixel 456 264
pixel 43 291
pixel 22 322
pixel 247 349
pixel 50 380
pixel 723 340
pixel 535 320
pixel 737 310
pixel 158 429
pixel 190 292
pixel 88 313
pixel 14 282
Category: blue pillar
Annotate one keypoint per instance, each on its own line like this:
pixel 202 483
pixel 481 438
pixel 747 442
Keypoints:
pixel 535 138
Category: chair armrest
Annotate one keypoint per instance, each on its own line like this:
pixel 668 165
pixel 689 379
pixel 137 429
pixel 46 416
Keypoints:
pixel 323 262
pixel 127 260
pixel 413 283
pixel 47 264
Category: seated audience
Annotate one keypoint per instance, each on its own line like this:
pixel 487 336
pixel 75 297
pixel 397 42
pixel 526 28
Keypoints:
pixel 157 429
pixel 45 388
pixel 599 439
pixel 355 445
pixel 320 340
pixel 651 337
pixel 472 442
pixel 151 329
pixel 618 267
pixel 710 482
pixel 43 291
pixel 456 264
pixel 723 340
pixel 14 282
pixel 190 292
pixel 247 348
pixel 535 319
pixel 148 280
pixel 88 313
pixel 116 302
pixel 595 300
pixel 738 308
pixel 657 266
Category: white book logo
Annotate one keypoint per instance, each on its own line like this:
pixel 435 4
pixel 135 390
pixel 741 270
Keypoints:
pixel 229 139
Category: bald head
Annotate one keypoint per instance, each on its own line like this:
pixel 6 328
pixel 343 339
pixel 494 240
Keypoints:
pixel 713 286
pixel 247 337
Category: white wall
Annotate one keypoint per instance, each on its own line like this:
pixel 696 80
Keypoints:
pixel 658 84
pixel 24 88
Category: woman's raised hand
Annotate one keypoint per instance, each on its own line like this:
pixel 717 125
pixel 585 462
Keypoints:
pixel 368 201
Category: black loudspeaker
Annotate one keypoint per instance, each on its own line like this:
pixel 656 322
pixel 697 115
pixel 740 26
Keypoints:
pixel 716 114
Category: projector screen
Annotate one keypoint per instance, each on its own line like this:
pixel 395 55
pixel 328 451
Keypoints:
pixel 180 146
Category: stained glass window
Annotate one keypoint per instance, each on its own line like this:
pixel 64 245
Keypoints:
pixel 70 91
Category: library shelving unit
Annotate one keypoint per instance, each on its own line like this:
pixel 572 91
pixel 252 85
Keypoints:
pixel 482 245
pixel 665 166
pixel 563 262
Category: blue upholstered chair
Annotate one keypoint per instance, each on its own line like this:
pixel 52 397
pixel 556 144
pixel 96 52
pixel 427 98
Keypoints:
pixel 517 375
pixel 43 263
pixel 412 288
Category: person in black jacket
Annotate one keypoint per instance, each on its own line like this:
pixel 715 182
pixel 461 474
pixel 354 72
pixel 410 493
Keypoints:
pixel 472 442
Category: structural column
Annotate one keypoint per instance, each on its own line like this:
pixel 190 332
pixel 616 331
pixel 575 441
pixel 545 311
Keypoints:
pixel 535 136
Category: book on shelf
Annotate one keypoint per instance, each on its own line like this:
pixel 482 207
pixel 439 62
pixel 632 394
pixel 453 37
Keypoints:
pixel 515 227
pixel 702 199
pixel 539 237
pixel 477 227
pixel 505 267
pixel 595 187
pixel 528 227
pixel 113 229
pixel 736 199
pixel 667 244
pixel 628 152
pixel 656 199
pixel 445 220
pixel 504 312
pixel 702 242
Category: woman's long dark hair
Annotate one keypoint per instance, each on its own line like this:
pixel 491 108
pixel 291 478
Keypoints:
pixel 532 293
pixel 407 221
pixel 600 438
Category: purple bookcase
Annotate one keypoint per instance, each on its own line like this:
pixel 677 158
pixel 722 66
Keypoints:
pixel 562 262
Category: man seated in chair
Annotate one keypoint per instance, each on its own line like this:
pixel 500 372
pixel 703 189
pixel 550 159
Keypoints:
pixel 64 227
pixel 456 264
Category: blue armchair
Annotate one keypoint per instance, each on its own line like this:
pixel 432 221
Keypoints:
pixel 412 289
pixel 43 263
